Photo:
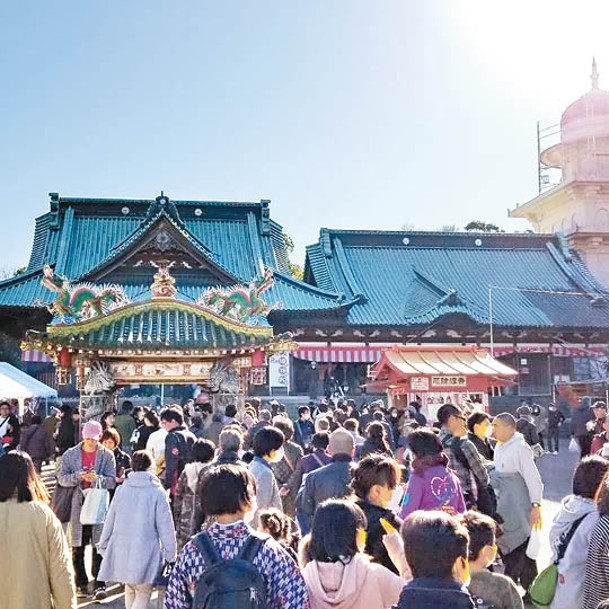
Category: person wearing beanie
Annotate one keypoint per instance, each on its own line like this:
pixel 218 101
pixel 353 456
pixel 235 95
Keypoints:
pixel 525 425
pixel 83 465
pixel 332 480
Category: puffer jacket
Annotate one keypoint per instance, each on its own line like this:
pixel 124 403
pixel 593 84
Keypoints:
pixel 572 568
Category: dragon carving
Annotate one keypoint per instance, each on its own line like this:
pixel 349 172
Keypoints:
pixel 99 380
pixel 224 378
pixel 83 301
pixel 241 302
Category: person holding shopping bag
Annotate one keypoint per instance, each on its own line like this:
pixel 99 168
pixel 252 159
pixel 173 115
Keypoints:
pixel 86 465
pixel 138 534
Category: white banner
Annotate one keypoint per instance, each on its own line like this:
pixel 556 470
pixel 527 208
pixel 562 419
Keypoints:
pixel 279 370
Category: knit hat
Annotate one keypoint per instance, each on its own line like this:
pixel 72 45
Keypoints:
pixel 523 411
pixel 92 430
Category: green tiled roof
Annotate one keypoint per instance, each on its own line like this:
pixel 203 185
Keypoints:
pixel 82 237
pixel 416 278
pixel 159 324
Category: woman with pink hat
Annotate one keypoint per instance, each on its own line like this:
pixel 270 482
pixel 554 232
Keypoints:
pixel 82 466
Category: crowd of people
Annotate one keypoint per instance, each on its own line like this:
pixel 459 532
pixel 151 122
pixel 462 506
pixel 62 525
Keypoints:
pixel 341 507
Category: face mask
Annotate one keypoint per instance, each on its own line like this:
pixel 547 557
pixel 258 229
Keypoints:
pixel 277 456
pixel 249 515
pixel 489 432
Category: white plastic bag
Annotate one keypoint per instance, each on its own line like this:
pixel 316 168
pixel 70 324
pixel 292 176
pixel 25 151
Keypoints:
pixel 574 446
pixel 534 545
pixel 95 505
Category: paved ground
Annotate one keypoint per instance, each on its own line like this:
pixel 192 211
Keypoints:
pixel 556 470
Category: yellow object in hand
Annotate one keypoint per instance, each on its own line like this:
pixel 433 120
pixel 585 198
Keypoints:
pixel 389 528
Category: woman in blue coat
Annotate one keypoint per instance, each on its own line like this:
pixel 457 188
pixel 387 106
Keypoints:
pixel 138 533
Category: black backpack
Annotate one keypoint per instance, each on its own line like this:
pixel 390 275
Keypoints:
pixel 229 584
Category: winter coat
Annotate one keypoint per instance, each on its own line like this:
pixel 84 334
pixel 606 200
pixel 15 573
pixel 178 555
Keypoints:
pixel 69 475
pixel 579 420
pixel 596 581
pixel 36 442
pixel 555 419
pixel 360 584
pixel 572 568
pixel 141 435
pixel 434 593
pixel 67 434
pixel 138 534
pixel 10 429
pixel 284 471
pixel 437 487
pixel 303 432
pixel 528 430
pixel 184 502
pixel 375 533
pixel 515 456
pixel 178 445
pixel 122 461
pixel 125 425
pixel 267 491
pixel 494 589
pixel 332 480
pixel 37 571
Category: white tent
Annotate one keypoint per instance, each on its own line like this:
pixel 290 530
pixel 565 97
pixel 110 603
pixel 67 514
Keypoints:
pixel 17 385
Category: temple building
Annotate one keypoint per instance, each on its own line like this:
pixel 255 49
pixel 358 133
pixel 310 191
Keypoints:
pixel 578 206
pixel 166 280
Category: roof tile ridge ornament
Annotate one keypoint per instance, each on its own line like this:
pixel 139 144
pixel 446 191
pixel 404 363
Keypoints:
pixel 595 75
pixel 163 285
pixel 241 303
pixel 83 301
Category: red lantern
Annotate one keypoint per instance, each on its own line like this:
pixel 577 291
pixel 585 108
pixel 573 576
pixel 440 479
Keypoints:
pixel 65 358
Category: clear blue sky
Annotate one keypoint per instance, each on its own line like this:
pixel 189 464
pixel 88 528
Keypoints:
pixel 345 113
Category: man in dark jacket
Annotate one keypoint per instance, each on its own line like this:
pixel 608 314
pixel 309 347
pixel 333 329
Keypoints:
pixel 332 480
pixel 304 428
pixel 178 446
pixel 525 426
pixel 439 578
pixel 555 420
pixel 580 417
pixel 10 429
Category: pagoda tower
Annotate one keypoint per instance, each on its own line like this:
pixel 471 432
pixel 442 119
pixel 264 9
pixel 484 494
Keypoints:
pixel 579 205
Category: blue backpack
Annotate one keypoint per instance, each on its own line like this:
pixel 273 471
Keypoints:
pixel 233 583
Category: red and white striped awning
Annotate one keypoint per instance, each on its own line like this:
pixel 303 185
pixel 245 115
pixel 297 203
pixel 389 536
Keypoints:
pixel 340 354
pixel 33 355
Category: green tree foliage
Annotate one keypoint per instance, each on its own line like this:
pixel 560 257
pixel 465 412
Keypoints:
pixel 485 227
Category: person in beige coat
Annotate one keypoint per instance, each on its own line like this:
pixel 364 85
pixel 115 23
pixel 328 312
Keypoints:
pixel 36 572
pixel 337 572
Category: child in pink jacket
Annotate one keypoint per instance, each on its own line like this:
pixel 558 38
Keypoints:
pixel 337 572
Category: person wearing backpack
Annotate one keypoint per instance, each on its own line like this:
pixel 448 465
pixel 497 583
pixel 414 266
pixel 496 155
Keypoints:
pixel 178 446
pixel 576 509
pixel 229 566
